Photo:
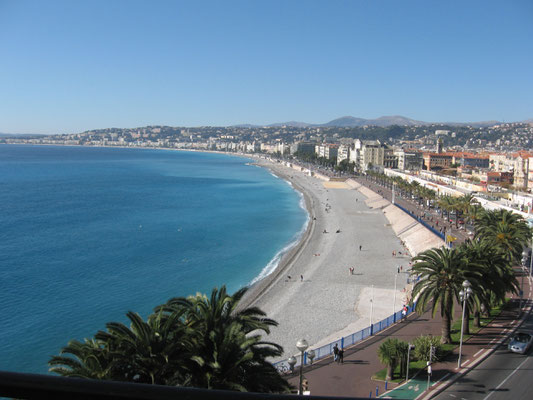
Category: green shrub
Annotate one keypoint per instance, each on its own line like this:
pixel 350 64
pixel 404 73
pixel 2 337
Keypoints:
pixel 423 345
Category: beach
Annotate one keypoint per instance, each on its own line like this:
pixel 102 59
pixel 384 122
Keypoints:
pixel 312 294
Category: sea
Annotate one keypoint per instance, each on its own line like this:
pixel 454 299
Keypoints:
pixel 88 234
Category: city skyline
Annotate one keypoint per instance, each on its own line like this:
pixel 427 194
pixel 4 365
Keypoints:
pixel 71 67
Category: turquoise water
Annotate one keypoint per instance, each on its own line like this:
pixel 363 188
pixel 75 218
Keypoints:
pixel 87 234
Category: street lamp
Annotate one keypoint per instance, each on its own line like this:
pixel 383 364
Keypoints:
pixel 394 298
pixel 409 348
pixel 372 311
pixel 302 345
pixel 463 295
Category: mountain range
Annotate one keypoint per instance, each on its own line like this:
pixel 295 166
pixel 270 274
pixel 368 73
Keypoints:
pixel 349 121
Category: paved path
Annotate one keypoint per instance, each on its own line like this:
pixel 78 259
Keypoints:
pixel 353 378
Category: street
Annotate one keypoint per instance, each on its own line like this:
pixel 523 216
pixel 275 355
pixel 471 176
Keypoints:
pixel 503 375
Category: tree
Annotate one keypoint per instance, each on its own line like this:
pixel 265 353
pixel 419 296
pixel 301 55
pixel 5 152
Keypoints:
pixel 228 350
pixel 423 346
pixel 195 341
pixel 88 359
pixel 506 230
pixel 497 279
pixel 390 352
pixel 442 272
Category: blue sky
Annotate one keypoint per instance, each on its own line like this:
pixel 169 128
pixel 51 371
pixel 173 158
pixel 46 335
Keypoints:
pixel 69 66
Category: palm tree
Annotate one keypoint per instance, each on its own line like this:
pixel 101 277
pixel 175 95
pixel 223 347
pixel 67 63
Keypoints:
pixel 506 230
pixel 88 359
pixel 474 213
pixel 228 350
pixel 193 341
pixel 445 204
pixel 442 272
pixel 155 351
pixel 463 205
pixel 390 353
pixel 498 277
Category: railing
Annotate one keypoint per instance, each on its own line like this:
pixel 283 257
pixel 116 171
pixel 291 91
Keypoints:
pixel 346 341
pixel 34 386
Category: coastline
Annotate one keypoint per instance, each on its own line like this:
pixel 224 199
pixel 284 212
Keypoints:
pixel 330 302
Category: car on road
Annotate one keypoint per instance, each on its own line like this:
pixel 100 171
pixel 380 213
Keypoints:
pixel 520 342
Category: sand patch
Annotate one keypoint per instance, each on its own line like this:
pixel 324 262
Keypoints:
pixel 335 185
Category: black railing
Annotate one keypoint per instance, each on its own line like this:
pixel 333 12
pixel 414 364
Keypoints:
pixel 34 386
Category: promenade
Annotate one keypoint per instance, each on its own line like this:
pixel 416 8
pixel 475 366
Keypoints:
pixel 353 378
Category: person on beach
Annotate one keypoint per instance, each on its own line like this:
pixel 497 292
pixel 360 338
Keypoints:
pixel 360 247
pixel 335 352
pixel 301 278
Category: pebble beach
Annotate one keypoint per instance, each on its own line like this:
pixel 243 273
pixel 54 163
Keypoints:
pixel 313 294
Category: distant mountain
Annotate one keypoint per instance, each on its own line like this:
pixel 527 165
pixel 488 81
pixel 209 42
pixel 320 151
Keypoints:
pixel 346 122
pixel 296 124
pixel 381 121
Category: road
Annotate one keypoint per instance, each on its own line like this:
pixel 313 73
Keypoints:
pixel 503 375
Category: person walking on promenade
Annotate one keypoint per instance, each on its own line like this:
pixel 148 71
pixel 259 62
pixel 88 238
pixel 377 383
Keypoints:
pixel 335 352
pixel 341 356
pixel 404 312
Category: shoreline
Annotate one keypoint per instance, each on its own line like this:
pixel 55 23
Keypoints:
pixel 259 288
pixel 326 303
pixel 291 301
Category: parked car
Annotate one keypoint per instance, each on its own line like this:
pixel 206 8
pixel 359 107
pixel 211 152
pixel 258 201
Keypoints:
pixel 520 342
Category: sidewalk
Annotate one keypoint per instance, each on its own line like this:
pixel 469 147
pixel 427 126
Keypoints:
pixel 353 378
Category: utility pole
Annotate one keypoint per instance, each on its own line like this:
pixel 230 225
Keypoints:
pixel 431 355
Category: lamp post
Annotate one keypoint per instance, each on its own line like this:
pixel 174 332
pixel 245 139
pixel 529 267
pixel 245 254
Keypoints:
pixel 463 295
pixel 409 348
pixel 394 298
pixel 527 256
pixel 302 345
pixel 372 311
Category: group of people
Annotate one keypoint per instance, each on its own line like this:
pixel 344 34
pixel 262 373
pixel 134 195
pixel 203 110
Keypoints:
pixel 338 354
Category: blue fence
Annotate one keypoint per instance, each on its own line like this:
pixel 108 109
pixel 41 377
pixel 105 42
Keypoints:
pixel 343 342
pixel 436 232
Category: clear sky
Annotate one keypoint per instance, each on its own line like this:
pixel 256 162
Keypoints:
pixel 70 66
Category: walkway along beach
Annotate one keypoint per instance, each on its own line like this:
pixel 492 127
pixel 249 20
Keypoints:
pixel 313 294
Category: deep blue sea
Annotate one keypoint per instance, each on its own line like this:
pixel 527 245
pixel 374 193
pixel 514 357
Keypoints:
pixel 87 234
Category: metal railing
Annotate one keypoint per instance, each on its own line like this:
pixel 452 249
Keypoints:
pixel 346 341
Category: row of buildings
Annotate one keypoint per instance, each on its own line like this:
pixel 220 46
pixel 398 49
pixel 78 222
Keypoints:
pixel 485 169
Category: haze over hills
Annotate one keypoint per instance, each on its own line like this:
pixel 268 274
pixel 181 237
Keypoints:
pixel 349 121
